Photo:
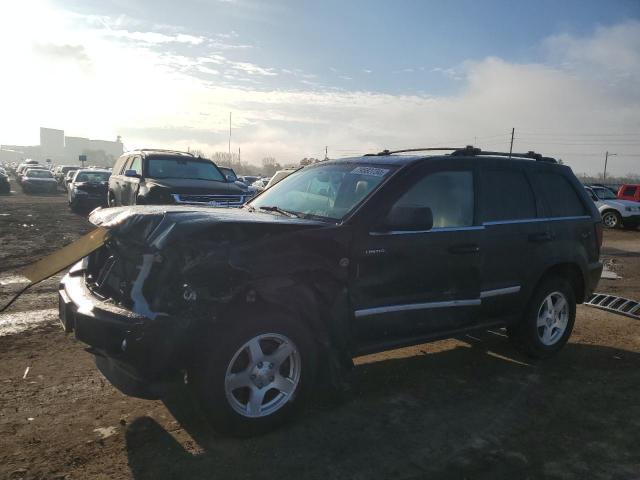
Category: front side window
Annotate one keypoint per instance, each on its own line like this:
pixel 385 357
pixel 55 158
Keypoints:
pixel 605 194
pixel 136 165
pixel 506 195
pixel 184 168
pixel 449 195
pixel 326 190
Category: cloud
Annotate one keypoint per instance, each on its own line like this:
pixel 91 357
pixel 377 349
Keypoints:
pixel 568 105
pixel 156 38
pixel 252 69
pixel 74 53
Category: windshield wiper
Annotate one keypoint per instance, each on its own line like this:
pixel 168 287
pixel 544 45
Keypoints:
pixel 273 208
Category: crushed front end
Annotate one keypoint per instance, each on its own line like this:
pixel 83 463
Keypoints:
pixel 125 302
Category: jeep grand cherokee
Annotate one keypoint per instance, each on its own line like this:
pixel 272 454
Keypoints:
pixel 342 258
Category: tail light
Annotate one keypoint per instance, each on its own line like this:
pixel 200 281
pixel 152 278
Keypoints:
pixel 599 230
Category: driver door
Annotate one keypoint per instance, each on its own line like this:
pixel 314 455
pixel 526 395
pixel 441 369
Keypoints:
pixel 416 283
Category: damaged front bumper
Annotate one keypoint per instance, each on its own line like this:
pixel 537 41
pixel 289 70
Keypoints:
pixel 138 355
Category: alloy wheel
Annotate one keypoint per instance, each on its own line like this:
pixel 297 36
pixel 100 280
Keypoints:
pixel 263 375
pixel 553 317
pixel 610 220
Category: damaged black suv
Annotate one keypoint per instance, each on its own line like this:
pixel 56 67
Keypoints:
pixel 253 306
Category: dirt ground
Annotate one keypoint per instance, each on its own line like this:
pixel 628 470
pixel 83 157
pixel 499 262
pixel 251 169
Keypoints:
pixel 472 408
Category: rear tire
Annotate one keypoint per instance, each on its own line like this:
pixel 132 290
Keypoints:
pixel 250 378
pixel 548 320
pixel 611 219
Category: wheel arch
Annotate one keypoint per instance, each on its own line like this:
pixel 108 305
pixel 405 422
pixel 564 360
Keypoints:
pixel 572 272
pixel 322 306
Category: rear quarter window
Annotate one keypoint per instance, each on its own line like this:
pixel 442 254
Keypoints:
pixel 559 196
pixel 629 191
pixel 117 168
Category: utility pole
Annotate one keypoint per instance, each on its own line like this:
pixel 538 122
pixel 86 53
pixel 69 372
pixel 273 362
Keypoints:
pixel 326 152
pixel 606 158
pixel 513 130
pixel 229 133
pixel 239 162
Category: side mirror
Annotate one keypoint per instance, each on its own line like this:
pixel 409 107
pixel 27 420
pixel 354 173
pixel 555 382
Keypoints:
pixel 409 218
pixel 132 174
pixel 230 178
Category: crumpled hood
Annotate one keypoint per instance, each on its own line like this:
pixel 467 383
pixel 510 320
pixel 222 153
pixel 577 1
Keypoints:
pixel 158 225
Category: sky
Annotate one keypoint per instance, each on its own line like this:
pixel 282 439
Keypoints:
pixel 352 76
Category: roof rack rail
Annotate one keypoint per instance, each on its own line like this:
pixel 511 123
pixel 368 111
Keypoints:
pixel 428 149
pixel 474 151
pixel 164 151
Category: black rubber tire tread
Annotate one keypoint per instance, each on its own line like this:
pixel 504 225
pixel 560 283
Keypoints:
pixel 524 335
pixel 206 377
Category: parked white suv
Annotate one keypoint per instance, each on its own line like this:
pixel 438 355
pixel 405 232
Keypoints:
pixel 615 212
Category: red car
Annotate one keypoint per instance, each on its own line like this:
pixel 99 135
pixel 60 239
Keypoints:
pixel 629 192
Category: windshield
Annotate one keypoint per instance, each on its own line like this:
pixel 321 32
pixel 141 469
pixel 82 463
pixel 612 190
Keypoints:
pixel 92 176
pixel 229 174
pixel 330 190
pixel 604 194
pixel 183 168
pixel 38 173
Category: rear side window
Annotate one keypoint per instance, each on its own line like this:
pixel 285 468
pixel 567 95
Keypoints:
pixel 560 197
pixel 448 194
pixel 119 166
pixel 506 195
pixel 629 191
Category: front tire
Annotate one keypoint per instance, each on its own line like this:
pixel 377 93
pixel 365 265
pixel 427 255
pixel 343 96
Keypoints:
pixel 548 320
pixel 254 376
pixel 611 219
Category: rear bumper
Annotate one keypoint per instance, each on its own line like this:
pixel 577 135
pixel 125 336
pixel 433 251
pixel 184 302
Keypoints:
pixel 594 272
pixel 40 187
pixel 137 355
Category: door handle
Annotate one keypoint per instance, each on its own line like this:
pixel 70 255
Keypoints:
pixel 540 237
pixel 464 249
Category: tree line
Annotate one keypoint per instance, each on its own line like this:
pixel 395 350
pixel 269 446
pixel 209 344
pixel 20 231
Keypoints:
pixel 268 165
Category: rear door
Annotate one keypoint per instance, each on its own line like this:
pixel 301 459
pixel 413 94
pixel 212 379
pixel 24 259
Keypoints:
pixel 412 284
pixel 115 181
pixel 513 231
pixel 568 218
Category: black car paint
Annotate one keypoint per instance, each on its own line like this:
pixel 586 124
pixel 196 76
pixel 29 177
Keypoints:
pixel 96 194
pixel 213 266
pixel 146 190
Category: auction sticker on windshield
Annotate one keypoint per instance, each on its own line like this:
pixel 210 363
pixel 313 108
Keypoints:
pixel 372 171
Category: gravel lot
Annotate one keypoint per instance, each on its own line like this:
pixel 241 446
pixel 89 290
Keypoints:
pixel 470 408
